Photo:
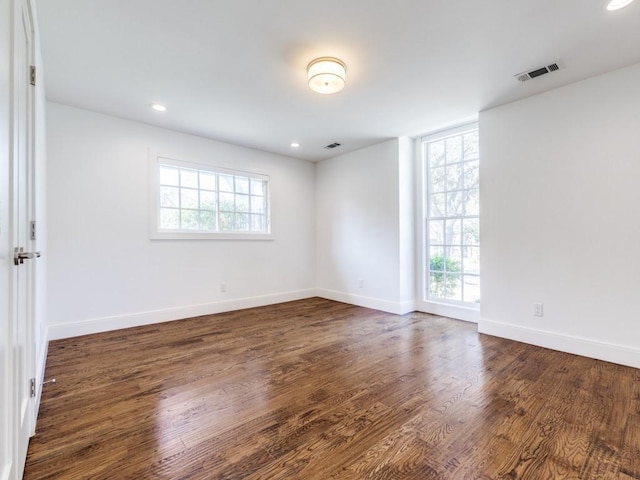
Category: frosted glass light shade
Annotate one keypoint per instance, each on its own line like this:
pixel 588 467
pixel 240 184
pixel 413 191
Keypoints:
pixel 618 4
pixel 326 75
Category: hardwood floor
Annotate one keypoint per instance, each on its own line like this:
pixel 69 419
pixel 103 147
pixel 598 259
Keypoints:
pixel 319 390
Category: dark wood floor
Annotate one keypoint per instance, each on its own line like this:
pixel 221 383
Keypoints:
pixel 319 390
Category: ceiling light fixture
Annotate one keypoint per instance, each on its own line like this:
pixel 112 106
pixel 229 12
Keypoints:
pixel 295 145
pixel 617 4
pixel 158 108
pixel 326 75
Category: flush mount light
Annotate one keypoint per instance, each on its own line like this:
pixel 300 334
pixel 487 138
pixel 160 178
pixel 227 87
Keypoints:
pixel 617 4
pixel 326 75
pixel 295 145
pixel 158 108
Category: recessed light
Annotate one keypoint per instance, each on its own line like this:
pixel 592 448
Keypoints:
pixel 295 145
pixel 158 108
pixel 617 4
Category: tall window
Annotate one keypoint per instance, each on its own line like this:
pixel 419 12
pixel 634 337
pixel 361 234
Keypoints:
pixel 196 199
pixel 452 225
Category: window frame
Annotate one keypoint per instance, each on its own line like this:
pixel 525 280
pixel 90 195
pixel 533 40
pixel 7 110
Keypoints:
pixel 454 308
pixel 156 233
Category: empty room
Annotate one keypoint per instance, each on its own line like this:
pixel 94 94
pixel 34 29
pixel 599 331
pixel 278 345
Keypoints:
pixel 285 239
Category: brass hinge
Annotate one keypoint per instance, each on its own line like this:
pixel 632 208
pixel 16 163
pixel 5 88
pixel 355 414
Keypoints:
pixel 32 382
pixel 32 74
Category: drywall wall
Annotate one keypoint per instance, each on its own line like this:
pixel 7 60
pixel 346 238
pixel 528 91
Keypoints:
pixel 364 221
pixel 104 272
pixel 559 195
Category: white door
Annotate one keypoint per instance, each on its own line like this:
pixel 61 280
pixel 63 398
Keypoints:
pixel 23 270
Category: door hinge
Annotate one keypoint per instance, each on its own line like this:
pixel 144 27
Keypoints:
pixel 33 230
pixel 32 383
pixel 32 74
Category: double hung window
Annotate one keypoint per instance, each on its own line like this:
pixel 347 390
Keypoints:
pixel 451 165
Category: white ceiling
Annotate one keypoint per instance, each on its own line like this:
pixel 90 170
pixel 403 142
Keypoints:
pixel 235 70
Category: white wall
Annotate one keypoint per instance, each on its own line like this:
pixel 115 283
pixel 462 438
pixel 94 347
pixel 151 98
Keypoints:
pixel 362 231
pixel 560 200
pixel 105 272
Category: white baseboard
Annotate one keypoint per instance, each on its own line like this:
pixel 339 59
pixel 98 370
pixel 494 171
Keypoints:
pixel 576 345
pixel 105 324
pixel 452 311
pixel 398 308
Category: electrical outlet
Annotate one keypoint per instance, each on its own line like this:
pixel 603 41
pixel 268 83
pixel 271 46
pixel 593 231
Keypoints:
pixel 537 310
pixel 223 287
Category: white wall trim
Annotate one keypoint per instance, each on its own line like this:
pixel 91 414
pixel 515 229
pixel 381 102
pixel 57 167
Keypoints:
pixel 41 364
pixel 105 324
pixel 398 308
pixel 458 312
pixel 564 343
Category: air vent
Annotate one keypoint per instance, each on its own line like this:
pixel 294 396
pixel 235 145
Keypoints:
pixel 333 145
pixel 537 72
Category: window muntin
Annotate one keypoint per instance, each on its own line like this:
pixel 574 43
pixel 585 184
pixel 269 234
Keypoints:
pixel 452 224
pixel 209 201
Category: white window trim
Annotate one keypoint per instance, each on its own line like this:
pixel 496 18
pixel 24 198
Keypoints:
pixel 154 206
pixel 460 311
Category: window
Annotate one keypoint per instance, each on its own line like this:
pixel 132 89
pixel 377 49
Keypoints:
pixel 198 201
pixel 451 166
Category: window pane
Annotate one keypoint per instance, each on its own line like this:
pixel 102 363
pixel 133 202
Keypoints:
pixel 242 222
pixel 471 145
pixel 436 232
pixel 471 260
pixel 438 180
pixel 169 218
pixel 188 178
pixel 453 287
pixel 225 183
pixel 226 221
pixel 454 149
pixel 471 289
pixel 437 206
pixel 207 220
pixel 445 285
pixel 169 197
pixel 257 204
pixel 454 177
pixel 453 261
pixel 242 185
pixel 436 259
pixel 207 200
pixel 471 174
pixel 242 203
pixel 257 187
pixel 472 203
pixel 227 203
pixel 454 204
pixel 257 223
pixel 453 232
pixel 207 181
pixel 471 231
pixel 169 176
pixel 189 198
pixel 189 219
pixel 436 153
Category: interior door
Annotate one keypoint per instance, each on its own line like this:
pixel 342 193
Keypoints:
pixel 22 278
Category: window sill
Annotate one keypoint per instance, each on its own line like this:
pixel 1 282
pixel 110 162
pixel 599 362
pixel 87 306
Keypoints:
pixel 210 236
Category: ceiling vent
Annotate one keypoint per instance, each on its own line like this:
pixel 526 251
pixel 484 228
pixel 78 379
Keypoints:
pixel 333 145
pixel 525 76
